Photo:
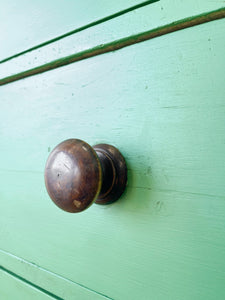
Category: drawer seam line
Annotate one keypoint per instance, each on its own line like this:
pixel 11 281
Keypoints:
pixel 118 44
pixel 30 283
pixel 44 270
pixel 79 29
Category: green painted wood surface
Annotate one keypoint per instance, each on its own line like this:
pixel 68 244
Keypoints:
pixel 13 288
pixel 25 24
pixel 161 103
pixel 45 280
pixel 150 17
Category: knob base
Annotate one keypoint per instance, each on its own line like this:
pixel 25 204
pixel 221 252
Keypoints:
pixel 114 173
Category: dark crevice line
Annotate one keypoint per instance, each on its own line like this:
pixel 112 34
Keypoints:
pixel 30 283
pixel 50 272
pixel 115 15
pixel 119 44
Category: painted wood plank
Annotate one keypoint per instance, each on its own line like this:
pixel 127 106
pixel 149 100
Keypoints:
pixel 12 288
pixel 161 102
pixel 147 18
pixel 116 45
pixel 53 283
pixel 25 24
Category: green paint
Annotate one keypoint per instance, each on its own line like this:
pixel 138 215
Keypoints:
pixel 116 45
pixel 14 288
pixel 133 23
pixel 45 281
pixel 69 19
pixel 61 21
pixel 161 102
pixel 29 283
pixel 115 15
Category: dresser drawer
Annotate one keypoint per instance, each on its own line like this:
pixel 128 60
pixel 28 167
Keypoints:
pixel 161 102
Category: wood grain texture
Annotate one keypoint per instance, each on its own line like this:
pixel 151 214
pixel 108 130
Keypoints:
pixel 144 23
pixel 165 238
pixel 13 288
pixel 19 21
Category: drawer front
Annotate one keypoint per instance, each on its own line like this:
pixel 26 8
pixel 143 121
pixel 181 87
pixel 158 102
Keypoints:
pixel 161 102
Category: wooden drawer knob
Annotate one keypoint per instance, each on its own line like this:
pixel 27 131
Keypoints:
pixel 76 175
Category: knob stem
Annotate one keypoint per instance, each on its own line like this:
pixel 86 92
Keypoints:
pixel 114 173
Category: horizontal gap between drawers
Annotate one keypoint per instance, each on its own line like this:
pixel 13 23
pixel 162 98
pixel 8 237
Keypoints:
pixel 118 14
pixel 30 283
pixel 25 268
pixel 119 44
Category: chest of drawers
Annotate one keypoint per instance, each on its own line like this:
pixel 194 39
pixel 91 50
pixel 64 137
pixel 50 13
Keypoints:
pixel 161 102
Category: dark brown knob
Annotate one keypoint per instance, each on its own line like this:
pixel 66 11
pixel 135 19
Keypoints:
pixel 76 175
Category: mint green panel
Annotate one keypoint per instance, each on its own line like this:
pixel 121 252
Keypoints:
pixel 134 21
pixel 161 102
pixel 25 24
pixel 12 288
pixel 52 284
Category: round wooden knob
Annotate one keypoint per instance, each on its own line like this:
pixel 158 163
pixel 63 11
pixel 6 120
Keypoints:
pixel 76 175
